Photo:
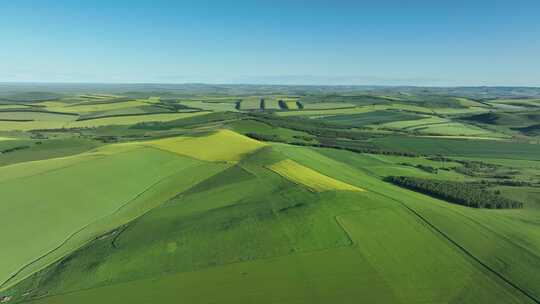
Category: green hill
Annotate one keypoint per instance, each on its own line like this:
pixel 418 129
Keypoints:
pixel 243 231
pixel 386 195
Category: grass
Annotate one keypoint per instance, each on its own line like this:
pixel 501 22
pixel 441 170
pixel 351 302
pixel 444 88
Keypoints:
pixel 374 117
pixel 160 181
pixel 462 147
pixel 251 103
pixel 309 177
pixel 209 106
pixel 455 129
pixel 380 234
pixel 415 123
pixel 343 111
pixel 327 105
pixel 129 120
pixel 42 208
pixel 84 107
pixel 246 126
pixel 271 104
pixel 44 149
pixel 359 240
pixel 210 215
pixel 12 106
pixel 218 231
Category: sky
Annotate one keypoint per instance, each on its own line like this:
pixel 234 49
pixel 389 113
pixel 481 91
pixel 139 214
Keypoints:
pixel 384 42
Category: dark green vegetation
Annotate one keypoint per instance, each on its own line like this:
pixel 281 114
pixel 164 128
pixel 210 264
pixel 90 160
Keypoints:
pixel 462 193
pixel 167 194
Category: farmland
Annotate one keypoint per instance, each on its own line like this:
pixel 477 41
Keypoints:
pixel 262 194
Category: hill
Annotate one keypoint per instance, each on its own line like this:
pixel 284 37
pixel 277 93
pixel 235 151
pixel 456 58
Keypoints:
pixel 351 198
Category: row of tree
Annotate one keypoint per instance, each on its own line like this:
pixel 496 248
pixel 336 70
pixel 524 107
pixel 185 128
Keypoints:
pixel 466 194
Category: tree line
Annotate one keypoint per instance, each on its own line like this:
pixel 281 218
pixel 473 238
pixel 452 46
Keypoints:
pixel 461 193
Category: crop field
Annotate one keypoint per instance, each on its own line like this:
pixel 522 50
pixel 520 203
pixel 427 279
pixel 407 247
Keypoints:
pixel 200 195
pixel 309 178
pixel 35 116
pixel 271 104
pixel 374 117
pixel 440 126
pixel 4 107
pixel 252 103
pixel 463 147
pixel 48 174
pixel 209 105
pixel 327 105
pixel 251 127
pixel 227 146
pixel 325 112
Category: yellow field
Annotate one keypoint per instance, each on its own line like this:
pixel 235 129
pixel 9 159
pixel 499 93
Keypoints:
pixel 312 179
pixel 224 145
pixel 291 105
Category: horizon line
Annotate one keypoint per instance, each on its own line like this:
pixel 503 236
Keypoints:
pixel 262 84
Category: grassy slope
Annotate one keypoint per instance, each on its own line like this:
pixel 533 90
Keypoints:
pixel 45 149
pixel 354 236
pixel 238 230
pixel 507 241
pixel 42 208
pixel 375 117
pixel 251 126
pixel 460 147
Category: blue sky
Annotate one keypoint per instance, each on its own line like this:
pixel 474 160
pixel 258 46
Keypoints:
pixel 278 42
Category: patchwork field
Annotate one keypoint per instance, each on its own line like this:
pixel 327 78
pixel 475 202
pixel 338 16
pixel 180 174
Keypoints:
pixel 210 195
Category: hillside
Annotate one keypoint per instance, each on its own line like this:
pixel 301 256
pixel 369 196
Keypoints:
pixel 107 200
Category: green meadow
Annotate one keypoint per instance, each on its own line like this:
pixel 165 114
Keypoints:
pixel 258 195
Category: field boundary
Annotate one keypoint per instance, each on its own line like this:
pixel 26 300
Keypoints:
pixel 464 250
pixel 70 236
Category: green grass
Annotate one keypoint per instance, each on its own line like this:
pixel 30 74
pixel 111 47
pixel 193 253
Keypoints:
pixel 247 126
pixel 462 147
pixel 188 208
pixel 250 103
pixel 130 120
pixel 109 172
pixel 329 243
pixel 375 117
pixel 210 105
pixel 343 111
pixel 381 234
pixel 327 105
pixel 44 149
